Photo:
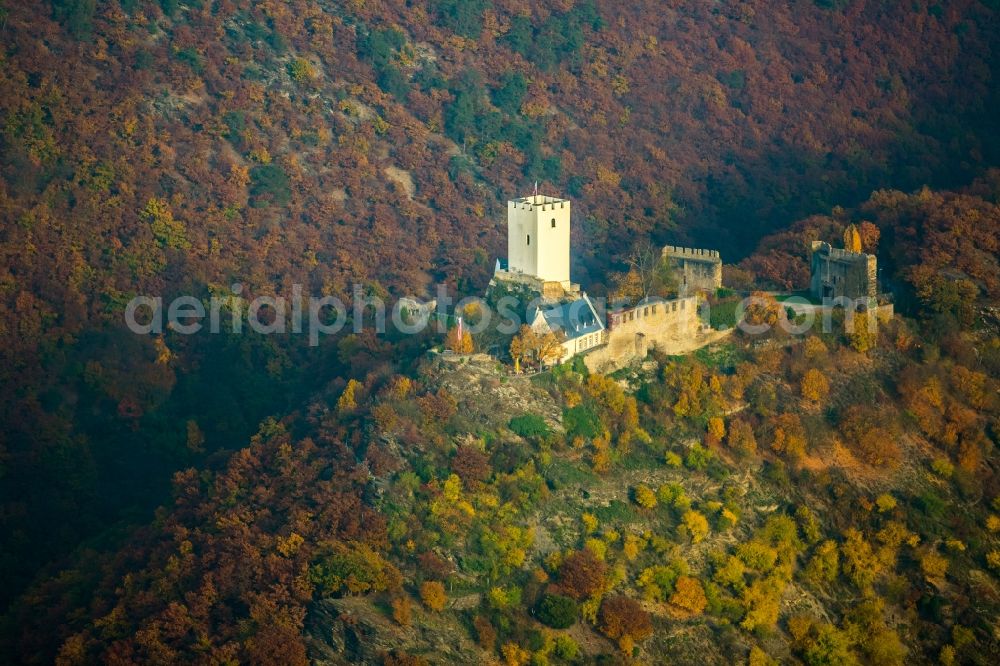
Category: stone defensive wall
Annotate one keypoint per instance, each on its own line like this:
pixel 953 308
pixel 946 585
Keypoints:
pixel 668 326
pixel 696 269
pixel 549 291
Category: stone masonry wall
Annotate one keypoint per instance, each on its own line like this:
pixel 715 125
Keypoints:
pixel 696 269
pixel 837 273
pixel 668 326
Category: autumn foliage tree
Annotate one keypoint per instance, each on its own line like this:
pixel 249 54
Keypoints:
pixel 649 275
pixel 870 235
pixel 814 386
pixel 688 598
pixel 348 400
pixel 624 618
pixel 852 239
pixel 762 311
pixel 582 574
pixel 529 344
pixel 644 496
pixel 716 430
pixel 741 437
pixel 402 611
pixel 459 340
pixel 863 332
pixel 353 569
pixel 788 435
pixel 870 435
pixel 471 465
pixel 433 594
pixel 695 525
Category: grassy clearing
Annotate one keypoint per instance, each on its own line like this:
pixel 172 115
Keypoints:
pixel 802 294
pixel 723 357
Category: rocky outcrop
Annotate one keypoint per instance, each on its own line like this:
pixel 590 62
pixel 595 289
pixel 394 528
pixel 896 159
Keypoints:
pixel 354 630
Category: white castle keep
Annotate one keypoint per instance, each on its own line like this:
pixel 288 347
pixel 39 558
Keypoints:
pixel 538 238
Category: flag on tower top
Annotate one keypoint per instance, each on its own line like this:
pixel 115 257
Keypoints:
pixel 536 188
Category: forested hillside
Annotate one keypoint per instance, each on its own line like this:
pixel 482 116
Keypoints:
pixel 821 499
pixel 172 147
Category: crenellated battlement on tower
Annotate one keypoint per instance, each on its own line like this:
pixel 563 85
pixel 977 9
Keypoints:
pixel 839 254
pixel 692 253
pixel 696 269
pixel 839 272
pixel 538 202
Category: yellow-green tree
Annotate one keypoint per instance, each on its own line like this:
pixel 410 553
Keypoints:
pixel 933 565
pixel 167 231
pixel 301 70
pixel 644 496
pixel 696 525
pixel 863 333
pixel 348 400
pixel 858 559
pixel 824 565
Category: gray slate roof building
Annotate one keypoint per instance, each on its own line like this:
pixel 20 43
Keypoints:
pixel 575 318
